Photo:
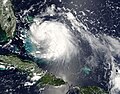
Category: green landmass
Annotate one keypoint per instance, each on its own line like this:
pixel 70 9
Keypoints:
pixel 3 36
pixel 7 21
pixel 92 90
pixel 23 65
pixel 49 79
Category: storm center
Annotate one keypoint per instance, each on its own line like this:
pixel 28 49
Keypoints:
pixel 53 39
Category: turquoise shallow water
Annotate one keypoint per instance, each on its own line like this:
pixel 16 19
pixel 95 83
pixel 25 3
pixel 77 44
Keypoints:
pixel 28 46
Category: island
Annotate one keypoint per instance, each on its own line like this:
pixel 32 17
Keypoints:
pixel 86 90
pixel 36 74
pixel 7 21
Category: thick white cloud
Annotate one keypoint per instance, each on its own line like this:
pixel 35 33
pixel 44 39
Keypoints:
pixel 53 38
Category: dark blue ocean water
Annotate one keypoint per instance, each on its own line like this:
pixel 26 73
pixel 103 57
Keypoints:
pixel 12 82
pixel 102 16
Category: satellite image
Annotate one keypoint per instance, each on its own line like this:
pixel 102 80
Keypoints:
pixel 59 46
